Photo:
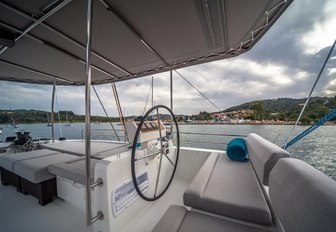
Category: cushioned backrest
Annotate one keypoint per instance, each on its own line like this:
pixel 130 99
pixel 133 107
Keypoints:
pixel 263 155
pixel 303 198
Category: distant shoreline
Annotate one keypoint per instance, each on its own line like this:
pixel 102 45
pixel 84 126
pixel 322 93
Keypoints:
pixel 255 124
pixel 190 124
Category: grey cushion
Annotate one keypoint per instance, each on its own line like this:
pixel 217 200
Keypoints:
pixel 229 188
pixel 73 170
pixel 36 170
pixel 303 198
pixel 178 219
pixel 263 155
pixel 194 193
pixel 8 161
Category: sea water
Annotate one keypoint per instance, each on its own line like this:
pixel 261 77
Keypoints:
pixel 317 149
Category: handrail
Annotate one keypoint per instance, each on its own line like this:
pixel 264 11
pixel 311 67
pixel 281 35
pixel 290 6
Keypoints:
pixel 209 134
pixel 115 130
pixel 103 129
pixel 200 133
pixel 198 141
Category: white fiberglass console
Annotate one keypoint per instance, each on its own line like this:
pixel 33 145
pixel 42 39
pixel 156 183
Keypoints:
pixel 117 198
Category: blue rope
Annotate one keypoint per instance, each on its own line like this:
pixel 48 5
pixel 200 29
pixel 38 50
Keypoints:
pixel 324 119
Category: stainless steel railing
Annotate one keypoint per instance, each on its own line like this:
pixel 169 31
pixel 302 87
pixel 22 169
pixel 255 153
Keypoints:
pixel 112 131
pixel 207 135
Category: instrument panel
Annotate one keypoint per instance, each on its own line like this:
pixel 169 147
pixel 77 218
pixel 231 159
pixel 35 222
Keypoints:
pixel 150 126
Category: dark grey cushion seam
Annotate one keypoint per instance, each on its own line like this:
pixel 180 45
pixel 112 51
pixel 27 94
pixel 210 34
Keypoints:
pixel 264 194
pixel 63 151
pixel 207 183
pixel 182 220
pixel 33 158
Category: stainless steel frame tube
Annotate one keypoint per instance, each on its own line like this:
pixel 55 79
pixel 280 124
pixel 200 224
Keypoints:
pixel 88 112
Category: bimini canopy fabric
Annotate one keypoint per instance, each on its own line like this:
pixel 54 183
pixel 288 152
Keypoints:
pixel 44 40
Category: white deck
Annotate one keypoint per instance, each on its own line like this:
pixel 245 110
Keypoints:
pixel 23 213
pixel 20 212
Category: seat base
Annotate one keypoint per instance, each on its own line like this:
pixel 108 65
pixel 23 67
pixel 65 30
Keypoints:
pixel 10 178
pixel 44 191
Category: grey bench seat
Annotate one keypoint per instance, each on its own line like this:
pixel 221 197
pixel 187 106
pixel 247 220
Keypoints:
pixel 228 188
pixel 35 177
pixel 36 170
pixel 8 161
pixel 232 188
pixel 73 170
pixel 303 198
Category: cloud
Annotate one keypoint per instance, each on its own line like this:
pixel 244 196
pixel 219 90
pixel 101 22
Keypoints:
pixel 284 63
pixel 24 96
pixel 322 33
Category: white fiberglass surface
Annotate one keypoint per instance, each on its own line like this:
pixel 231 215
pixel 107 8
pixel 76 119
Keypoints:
pixel 190 161
pixel 20 212
pixel 148 218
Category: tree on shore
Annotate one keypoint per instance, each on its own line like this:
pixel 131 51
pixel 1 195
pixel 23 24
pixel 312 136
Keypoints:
pixel 258 108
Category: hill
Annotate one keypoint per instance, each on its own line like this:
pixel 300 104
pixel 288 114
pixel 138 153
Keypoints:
pixel 39 116
pixel 288 109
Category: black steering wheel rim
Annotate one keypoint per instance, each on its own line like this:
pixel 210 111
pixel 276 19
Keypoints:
pixel 134 151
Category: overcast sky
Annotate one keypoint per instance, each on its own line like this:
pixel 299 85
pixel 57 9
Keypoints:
pixel 284 63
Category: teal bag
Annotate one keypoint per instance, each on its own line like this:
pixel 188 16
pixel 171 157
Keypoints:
pixel 236 150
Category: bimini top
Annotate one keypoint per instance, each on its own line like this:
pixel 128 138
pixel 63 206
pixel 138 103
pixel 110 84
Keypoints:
pixel 43 40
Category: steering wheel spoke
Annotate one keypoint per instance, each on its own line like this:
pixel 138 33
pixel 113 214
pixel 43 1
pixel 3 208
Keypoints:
pixel 169 160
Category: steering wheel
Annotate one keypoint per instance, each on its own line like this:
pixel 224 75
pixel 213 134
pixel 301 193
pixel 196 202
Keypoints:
pixel 167 155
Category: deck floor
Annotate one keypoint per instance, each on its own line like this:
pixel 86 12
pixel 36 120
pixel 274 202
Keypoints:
pixel 20 212
pixel 147 219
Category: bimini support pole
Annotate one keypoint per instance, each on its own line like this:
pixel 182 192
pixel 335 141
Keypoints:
pixel 152 91
pixel 171 89
pixel 88 111
pixel 89 185
pixel 52 112
pixel 171 100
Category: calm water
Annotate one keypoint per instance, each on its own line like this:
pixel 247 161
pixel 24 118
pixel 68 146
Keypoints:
pixel 317 149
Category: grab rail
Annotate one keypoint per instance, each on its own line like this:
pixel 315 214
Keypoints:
pixel 200 133
pixel 115 130
pixel 209 134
